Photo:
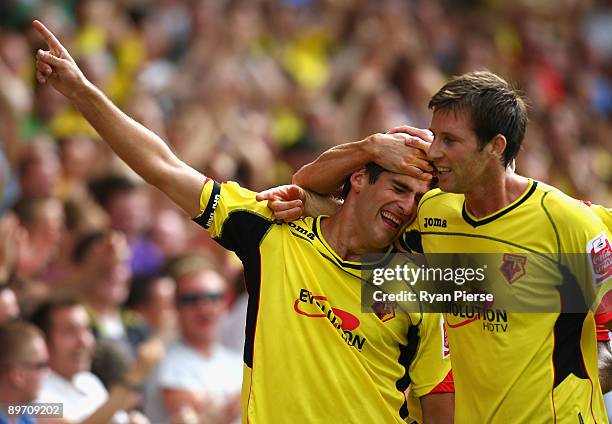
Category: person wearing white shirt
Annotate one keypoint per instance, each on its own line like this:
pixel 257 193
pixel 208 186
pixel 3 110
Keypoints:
pixel 197 373
pixel 68 381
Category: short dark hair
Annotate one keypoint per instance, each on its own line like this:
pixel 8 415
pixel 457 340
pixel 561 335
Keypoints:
pixel 140 289
pixel 84 245
pixel 42 316
pixel 494 106
pixel 105 188
pixel 28 209
pixel 372 169
pixel 15 338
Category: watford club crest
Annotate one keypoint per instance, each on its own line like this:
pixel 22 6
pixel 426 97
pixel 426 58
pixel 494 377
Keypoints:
pixel 384 310
pixel 513 267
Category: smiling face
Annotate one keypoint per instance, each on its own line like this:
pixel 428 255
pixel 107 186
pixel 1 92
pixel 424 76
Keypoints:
pixel 461 165
pixel 70 341
pixel 383 209
pixel 33 367
pixel 201 303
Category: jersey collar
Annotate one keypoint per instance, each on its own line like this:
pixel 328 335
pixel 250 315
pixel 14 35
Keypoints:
pixel 331 254
pixel 476 222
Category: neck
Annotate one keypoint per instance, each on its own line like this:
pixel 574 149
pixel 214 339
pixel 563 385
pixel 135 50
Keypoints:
pixel 64 375
pixel 495 192
pixel 344 236
pixel 100 308
pixel 203 347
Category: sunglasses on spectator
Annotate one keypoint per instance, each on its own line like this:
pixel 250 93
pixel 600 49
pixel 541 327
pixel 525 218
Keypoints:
pixel 186 299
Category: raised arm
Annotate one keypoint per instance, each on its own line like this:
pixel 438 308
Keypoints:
pixel 402 150
pixel 143 151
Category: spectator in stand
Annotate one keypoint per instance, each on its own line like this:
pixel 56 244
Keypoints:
pixel 102 259
pixel 152 299
pixel 23 360
pixel 69 381
pixel 39 169
pixel 43 220
pixel 9 308
pixel 128 208
pixel 70 343
pixel 197 373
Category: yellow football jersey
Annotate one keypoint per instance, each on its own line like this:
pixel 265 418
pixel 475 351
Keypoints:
pixel 605 214
pixel 514 366
pixel 311 355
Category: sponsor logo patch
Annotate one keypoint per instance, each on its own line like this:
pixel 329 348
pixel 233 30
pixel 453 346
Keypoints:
pixel 317 306
pixel 600 255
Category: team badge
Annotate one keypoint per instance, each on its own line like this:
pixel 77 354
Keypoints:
pixel 513 267
pixel 600 254
pixel 385 311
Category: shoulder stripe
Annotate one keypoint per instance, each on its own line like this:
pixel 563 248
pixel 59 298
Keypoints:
pixel 243 231
pixel 520 246
pixel 407 355
pixel 241 212
pixel 552 222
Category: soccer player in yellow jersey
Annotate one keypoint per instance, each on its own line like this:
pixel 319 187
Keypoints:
pixel 508 366
pixel 312 354
pixel 603 336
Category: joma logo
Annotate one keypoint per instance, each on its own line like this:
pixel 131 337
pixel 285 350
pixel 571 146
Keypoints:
pixel 435 222
pixel 302 231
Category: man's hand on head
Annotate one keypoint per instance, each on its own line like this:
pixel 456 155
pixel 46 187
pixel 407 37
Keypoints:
pixel 286 202
pixel 403 150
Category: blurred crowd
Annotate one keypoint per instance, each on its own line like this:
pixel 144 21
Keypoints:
pixel 242 90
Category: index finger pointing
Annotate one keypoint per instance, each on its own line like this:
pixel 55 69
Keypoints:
pixel 52 42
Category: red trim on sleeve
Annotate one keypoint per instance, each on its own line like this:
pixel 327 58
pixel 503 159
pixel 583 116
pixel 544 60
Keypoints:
pixel 446 386
pixel 603 318
pixel 603 334
pixel 605 308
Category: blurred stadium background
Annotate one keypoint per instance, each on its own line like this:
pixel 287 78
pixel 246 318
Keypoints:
pixel 250 90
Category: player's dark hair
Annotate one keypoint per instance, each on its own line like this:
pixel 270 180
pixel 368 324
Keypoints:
pixel 494 106
pixel 372 169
